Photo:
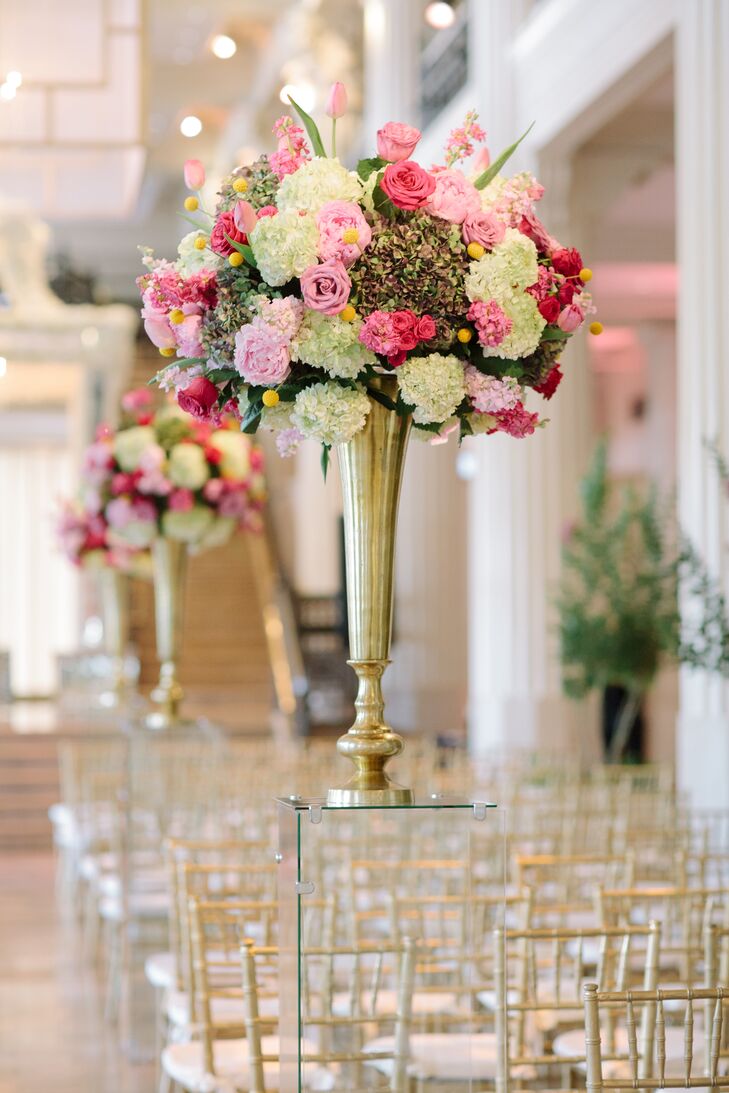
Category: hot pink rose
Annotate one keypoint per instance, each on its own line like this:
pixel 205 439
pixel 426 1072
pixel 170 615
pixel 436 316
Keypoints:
pixel 404 324
pixel 396 141
pixel 484 228
pixel 333 220
pixel 570 318
pixel 326 287
pixel 198 398
pixel 407 185
pixel 225 225
pixel 261 354
pixel 454 197
pixel 267 210
pixel 426 328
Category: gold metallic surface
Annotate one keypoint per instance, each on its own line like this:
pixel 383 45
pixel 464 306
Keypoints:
pixel 114 587
pixel 170 569
pixel 371 468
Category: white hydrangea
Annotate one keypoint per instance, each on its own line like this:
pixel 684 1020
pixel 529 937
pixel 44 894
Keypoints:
pixel 188 527
pixel 276 418
pixel 235 449
pixel 434 385
pixel 130 444
pixel 188 467
pixel 316 183
pixel 329 413
pixel 328 342
pixel 502 275
pixel 285 245
pixel 191 260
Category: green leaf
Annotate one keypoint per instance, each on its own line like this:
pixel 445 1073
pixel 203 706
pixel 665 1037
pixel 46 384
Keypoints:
pixel 325 449
pixel 311 129
pixel 243 249
pixel 403 408
pixel 554 334
pixel 366 167
pixel 252 417
pixel 464 430
pixel 221 375
pixel 382 398
pixel 382 203
pixel 491 172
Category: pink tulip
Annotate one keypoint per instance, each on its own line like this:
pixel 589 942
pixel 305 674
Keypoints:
pixel 482 161
pixel 570 318
pixel 337 101
pixel 244 216
pixel 194 174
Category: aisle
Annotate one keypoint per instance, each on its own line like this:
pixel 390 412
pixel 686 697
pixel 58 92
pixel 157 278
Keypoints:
pixel 52 1031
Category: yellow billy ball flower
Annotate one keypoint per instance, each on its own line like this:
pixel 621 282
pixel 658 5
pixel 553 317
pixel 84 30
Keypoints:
pixel 348 314
pixel 464 335
pixel 177 316
pixel 350 235
pixel 585 275
pixel 475 250
pixel 270 398
pixel 235 259
pixel 169 351
pixel 191 204
pixel 596 328
pixel 201 242
pixel 240 185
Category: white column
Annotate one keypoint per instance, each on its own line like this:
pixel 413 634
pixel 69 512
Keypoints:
pixel 392 32
pixel 702 169
pixel 524 493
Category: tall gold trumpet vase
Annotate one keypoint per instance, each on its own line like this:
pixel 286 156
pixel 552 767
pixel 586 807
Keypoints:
pixel 371 468
pixel 114 586
pixel 169 560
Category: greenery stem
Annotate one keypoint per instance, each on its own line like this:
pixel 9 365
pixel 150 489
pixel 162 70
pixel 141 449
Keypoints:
pixel 623 725
pixel 334 137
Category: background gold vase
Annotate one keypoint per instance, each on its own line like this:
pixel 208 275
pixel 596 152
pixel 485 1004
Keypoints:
pixel 169 560
pixel 371 468
pixel 114 587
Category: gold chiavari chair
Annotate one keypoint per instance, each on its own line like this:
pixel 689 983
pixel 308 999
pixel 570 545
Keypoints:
pixel 564 884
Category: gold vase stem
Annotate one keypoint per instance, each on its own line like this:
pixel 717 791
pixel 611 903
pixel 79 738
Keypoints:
pixel 371 469
pixel 115 618
pixel 170 570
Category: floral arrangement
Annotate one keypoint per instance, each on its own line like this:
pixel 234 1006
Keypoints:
pixel 309 281
pixel 163 473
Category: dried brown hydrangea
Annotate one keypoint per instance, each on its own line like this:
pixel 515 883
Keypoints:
pixel 417 263
pixel 536 367
pixel 262 186
pixel 236 289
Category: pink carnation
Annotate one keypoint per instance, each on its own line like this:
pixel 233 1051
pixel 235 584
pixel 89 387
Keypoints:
pixel 543 286
pixel 517 422
pixel 378 333
pixel 484 228
pixel 454 197
pixel 491 322
pixel 490 395
pixel 333 220
pixel 261 354
pixel 292 149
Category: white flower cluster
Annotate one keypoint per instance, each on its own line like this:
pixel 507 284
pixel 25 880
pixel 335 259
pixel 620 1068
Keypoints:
pixel 434 385
pixel 129 445
pixel 316 183
pixel 285 245
pixel 330 343
pixel 188 467
pixel 191 260
pixel 188 527
pixel 502 275
pixel 329 413
pixel 235 449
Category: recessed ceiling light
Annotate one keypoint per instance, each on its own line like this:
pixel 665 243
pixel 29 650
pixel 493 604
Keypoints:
pixel 440 15
pixel 191 126
pixel 303 94
pixel 223 46
pixel 14 78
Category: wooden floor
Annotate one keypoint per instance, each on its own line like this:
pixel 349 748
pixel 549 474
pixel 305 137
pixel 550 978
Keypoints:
pixel 52 1030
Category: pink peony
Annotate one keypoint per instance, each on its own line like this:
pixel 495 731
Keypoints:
pixel 489 394
pixel 261 354
pixel 484 228
pixel 188 336
pixel 491 322
pixel 397 141
pixel 326 287
pixel 333 220
pixel 226 225
pixel 159 332
pixel 198 398
pixel 454 197
pixel 181 500
pixel 378 333
pixel 407 185
pixel 283 315
pixel 570 318
pixel 517 422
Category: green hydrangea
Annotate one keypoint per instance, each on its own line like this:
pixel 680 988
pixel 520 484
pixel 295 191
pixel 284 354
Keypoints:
pixel 328 342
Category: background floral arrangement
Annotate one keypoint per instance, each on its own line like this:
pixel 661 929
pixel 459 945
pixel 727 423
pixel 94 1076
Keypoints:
pixel 310 280
pixel 162 473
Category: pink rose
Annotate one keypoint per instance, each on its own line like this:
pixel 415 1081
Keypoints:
pixel 333 220
pixel 404 325
pixel 198 398
pixel 426 328
pixel 570 318
pixel 407 185
pixel 225 225
pixel 531 226
pixel 396 141
pixel 181 500
pixel 484 228
pixel 261 354
pixel 454 197
pixel 326 287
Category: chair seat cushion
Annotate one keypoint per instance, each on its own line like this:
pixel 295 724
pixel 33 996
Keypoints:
pixel 161 970
pixel 425 1003
pixel 443 1056
pixel 185 1064
pixel 223 1011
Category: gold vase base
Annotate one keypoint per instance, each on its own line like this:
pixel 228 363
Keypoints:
pixel 162 721
pixel 374 790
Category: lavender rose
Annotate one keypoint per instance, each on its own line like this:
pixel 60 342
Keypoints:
pixel 396 141
pixel 483 228
pixel 326 287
